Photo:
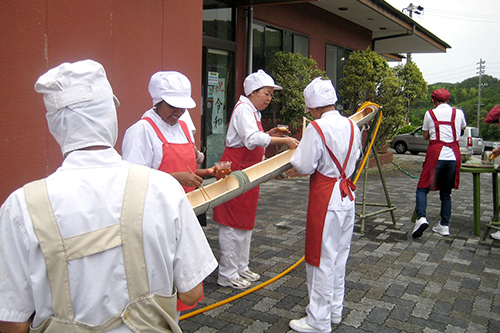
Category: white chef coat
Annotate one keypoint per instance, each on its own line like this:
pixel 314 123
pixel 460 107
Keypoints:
pixel 311 154
pixel 141 144
pixel 243 130
pixel 443 113
pixel 86 193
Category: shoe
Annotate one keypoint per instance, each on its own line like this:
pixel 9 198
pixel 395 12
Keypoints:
pixel 443 230
pixel 336 319
pixel 250 276
pixel 300 325
pixel 495 235
pixel 420 225
pixel 238 283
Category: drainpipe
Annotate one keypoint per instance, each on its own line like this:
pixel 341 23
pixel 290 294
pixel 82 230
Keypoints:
pixel 249 40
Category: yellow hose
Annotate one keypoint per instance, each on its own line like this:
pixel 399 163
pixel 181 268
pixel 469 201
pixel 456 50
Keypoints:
pixel 279 276
pixel 246 292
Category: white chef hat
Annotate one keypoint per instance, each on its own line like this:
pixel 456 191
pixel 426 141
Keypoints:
pixel 81 107
pixel 172 87
pixel 319 93
pixel 258 80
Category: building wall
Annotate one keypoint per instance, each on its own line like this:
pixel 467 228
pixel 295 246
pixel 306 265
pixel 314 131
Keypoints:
pixel 320 26
pixel 131 39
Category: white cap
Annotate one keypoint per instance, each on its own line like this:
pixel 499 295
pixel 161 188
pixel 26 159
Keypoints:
pixel 319 93
pixel 81 107
pixel 172 87
pixel 258 80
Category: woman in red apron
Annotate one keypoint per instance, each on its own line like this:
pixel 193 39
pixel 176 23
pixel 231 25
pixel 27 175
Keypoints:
pixel 245 146
pixel 441 168
pixel 161 141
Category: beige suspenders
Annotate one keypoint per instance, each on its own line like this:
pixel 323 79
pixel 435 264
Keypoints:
pixel 57 251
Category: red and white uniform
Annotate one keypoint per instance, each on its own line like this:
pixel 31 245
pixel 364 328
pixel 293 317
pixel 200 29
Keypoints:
pixel 444 124
pixel 245 146
pixel 154 143
pixel 330 222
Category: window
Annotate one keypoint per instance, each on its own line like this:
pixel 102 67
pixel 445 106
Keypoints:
pixel 218 23
pixel 335 57
pixel 267 40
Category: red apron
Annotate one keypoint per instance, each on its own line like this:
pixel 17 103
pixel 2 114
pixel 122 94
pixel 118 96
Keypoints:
pixel 320 193
pixel 240 212
pixel 427 178
pixel 176 156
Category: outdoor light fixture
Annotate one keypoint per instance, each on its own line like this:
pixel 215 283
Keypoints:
pixel 419 10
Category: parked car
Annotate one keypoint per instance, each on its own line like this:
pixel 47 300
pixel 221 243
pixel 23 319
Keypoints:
pixel 472 140
pixel 415 143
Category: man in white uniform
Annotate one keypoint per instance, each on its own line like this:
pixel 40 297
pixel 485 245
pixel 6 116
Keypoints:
pixel 100 242
pixel 328 152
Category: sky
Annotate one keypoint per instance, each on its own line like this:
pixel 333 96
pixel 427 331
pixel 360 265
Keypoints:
pixel 470 27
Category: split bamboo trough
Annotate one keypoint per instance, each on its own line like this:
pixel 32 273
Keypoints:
pixel 240 181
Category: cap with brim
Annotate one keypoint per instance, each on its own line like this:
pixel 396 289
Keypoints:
pixel 259 80
pixel 441 95
pixel 319 93
pixel 172 87
pixel 493 115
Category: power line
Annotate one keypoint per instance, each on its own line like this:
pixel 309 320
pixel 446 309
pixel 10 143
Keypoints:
pixel 462 16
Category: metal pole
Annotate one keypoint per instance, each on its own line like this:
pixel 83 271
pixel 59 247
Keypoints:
pixel 250 40
pixel 481 62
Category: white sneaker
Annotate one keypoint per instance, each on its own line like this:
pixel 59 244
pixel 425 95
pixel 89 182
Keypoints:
pixel 495 235
pixel 441 229
pixel 238 283
pixel 336 319
pixel 420 225
pixel 300 325
pixel 250 276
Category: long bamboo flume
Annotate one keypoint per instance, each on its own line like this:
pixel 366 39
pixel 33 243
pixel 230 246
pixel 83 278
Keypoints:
pixel 240 181
pixel 363 115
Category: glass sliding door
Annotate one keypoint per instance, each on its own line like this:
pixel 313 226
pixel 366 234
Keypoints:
pixel 218 100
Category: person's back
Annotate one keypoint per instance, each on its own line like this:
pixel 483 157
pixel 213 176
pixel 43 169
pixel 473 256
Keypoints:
pixel 328 152
pixel 86 195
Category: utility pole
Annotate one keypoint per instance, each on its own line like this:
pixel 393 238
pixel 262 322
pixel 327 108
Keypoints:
pixel 419 10
pixel 481 72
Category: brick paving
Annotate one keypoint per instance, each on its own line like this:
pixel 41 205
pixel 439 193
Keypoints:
pixel 394 283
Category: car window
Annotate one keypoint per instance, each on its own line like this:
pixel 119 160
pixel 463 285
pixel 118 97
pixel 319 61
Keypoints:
pixel 474 132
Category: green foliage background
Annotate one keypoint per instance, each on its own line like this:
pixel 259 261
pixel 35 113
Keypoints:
pixel 293 72
pixel 368 77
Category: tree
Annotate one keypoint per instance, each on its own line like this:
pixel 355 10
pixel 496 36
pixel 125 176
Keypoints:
pixel 368 77
pixel 414 86
pixel 293 72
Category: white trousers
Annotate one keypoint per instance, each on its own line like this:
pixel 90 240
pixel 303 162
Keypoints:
pixel 234 252
pixel 325 283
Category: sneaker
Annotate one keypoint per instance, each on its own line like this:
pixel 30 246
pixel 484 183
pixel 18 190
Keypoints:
pixel 443 230
pixel 336 319
pixel 495 235
pixel 420 225
pixel 238 283
pixel 300 325
pixel 250 276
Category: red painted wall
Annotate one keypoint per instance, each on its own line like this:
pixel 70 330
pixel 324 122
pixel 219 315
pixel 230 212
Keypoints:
pixel 131 39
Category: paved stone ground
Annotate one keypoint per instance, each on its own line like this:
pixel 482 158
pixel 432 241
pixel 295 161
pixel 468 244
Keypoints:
pixel 394 283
